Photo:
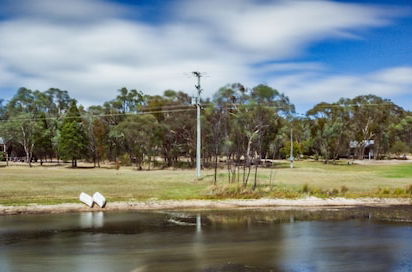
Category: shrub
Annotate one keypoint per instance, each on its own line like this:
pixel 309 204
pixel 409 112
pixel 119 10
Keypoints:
pixel 344 189
pixel 398 191
pixel 305 188
pixel 409 189
pixel 399 147
pixel 125 160
pixel 117 165
pixel 335 191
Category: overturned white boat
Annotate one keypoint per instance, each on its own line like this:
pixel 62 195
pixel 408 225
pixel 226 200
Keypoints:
pixel 86 199
pixel 99 199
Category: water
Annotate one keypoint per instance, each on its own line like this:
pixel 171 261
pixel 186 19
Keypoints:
pixel 367 239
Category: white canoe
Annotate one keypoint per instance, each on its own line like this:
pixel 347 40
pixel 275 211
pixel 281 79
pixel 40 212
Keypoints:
pixel 86 199
pixel 99 199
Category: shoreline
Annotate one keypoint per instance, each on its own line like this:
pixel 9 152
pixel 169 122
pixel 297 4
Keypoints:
pixel 304 203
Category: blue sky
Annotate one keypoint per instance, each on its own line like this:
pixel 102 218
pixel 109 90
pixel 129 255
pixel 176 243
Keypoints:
pixel 312 51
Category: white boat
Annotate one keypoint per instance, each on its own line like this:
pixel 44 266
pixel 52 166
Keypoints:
pixel 99 199
pixel 86 199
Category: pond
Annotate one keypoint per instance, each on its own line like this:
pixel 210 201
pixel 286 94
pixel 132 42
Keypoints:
pixel 340 239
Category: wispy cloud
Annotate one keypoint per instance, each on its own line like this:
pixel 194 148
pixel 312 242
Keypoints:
pixel 91 48
pixel 310 88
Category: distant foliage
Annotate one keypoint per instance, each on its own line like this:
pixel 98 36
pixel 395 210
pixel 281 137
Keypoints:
pixel 242 128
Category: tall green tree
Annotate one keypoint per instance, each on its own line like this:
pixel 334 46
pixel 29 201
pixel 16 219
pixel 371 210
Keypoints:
pixel 138 133
pixel 329 129
pixel 43 138
pixel 73 139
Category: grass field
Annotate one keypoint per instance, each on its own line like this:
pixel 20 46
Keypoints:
pixel 21 185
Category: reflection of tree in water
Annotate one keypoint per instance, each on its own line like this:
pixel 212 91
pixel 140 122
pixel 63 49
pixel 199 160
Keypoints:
pixel 237 240
pixel 347 246
pixel 239 268
pixel 276 215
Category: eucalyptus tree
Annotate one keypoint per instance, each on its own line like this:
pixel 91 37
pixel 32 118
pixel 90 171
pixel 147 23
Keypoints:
pixel 115 111
pixel 26 123
pixel 138 135
pixel 97 132
pixel 254 120
pixel 214 133
pixel 177 125
pixel 58 101
pixel 22 102
pixel 22 128
pixel 371 119
pixel 329 128
pixel 128 101
pixel 3 110
pixel 230 98
pixel 43 139
pixel 403 130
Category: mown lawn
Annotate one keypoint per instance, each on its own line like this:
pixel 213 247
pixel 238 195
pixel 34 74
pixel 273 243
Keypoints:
pixel 50 185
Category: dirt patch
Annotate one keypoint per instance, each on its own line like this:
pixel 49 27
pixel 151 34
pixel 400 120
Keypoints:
pixel 308 202
pixel 382 162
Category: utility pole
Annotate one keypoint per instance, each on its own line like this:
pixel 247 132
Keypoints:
pixel 291 148
pixel 198 75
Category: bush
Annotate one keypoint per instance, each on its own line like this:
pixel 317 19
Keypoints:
pixel 125 160
pixel 399 148
pixel 117 165
pixel 335 192
pixel 305 188
pixel 384 191
pixel 344 189
pixel 409 189
pixel 398 191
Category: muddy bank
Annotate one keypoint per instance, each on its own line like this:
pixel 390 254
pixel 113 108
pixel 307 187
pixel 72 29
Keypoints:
pixel 308 202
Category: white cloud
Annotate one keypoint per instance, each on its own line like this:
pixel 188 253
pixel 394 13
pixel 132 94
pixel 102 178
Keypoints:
pixel 67 11
pixel 90 48
pixel 311 88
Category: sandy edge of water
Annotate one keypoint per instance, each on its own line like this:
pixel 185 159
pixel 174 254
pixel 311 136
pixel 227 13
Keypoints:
pixel 309 202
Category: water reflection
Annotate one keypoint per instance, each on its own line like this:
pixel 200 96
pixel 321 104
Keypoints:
pixel 367 239
pixel 91 219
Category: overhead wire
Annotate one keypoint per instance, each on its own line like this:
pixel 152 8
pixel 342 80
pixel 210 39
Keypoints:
pixel 187 107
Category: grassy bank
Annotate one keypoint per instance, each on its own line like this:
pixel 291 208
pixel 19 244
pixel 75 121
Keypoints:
pixel 52 185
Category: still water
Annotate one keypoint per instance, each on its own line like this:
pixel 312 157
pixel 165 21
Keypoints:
pixel 362 239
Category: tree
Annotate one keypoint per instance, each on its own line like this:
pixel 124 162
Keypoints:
pixel 72 140
pixel 400 148
pixel 43 139
pixel 252 123
pixel 329 129
pixel 128 101
pixel 214 133
pixel 402 131
pixel 138 135
pixel 177 128
pixel 371 119
pixel 22 129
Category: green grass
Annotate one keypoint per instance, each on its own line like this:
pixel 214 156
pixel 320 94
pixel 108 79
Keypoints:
pixel 399 171
pixel 20 185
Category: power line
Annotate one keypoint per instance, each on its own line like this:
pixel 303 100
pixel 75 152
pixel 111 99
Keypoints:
pixel 98 115
pixel 182 108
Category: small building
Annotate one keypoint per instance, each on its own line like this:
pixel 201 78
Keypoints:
pixel 368 145
pixel 2 145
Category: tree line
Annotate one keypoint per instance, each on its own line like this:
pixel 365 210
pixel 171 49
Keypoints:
pixel 241 126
